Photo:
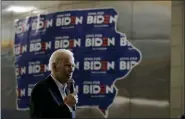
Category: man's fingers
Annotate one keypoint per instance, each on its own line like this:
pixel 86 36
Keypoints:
pixel 71 98
pixel 74 94
pixel 65 99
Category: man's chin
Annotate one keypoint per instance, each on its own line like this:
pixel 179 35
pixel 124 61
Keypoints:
pixel 68 78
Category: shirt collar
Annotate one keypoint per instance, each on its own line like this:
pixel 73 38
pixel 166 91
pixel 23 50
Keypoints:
pixel 59 85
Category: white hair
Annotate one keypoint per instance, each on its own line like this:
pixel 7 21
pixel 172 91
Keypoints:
pixel 56 57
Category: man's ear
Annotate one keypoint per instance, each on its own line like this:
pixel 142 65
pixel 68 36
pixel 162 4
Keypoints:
pixel 54 66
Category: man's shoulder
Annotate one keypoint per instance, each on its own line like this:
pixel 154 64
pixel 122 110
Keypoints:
pixel 40 85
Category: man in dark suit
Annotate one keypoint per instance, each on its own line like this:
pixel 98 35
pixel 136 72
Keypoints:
pixel 50 97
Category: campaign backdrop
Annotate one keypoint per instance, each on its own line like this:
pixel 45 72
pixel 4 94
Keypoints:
pixel 102 54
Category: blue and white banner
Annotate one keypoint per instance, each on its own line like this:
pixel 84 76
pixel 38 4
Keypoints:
pixel 102 54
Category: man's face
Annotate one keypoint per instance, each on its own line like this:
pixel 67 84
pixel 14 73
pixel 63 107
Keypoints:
pixel 65 69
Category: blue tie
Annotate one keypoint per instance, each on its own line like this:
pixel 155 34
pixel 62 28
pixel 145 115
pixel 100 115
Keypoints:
pixel 73 114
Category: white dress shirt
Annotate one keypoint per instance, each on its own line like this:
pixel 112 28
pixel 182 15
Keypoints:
pixel 61 88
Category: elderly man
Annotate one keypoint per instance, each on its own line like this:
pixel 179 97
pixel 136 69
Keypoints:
pixel 49 97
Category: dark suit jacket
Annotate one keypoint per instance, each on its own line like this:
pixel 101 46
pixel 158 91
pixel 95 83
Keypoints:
pixel 43 101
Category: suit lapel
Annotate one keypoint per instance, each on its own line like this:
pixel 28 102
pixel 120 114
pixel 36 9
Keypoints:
pixel 54 89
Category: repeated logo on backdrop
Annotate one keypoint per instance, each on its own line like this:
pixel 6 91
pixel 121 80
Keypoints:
pixel 102 55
